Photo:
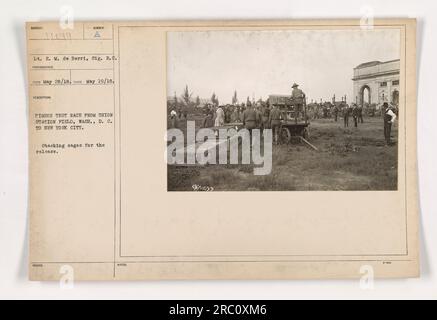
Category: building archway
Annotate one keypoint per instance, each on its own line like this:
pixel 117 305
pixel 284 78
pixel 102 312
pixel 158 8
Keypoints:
pixel 374 82
pixel 395 97
pixel 365 95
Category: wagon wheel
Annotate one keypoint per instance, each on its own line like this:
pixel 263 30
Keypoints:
pixel 285 135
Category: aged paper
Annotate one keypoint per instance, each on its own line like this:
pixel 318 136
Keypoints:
pixel 328 109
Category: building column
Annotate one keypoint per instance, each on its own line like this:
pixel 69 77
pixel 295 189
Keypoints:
pixel 389 98
pixel 374 92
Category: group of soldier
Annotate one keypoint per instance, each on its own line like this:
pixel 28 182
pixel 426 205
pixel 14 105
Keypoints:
pixel 266 115
pixel 336 111
pixel 259 115
pixel 218 116
pixel 253 115
pixel 354 111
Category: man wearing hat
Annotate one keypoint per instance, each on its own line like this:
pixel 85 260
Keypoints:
pixel 355 114
pixel 389 118
pixel 173 120
pixel 275 117
pixel 250 119
pixel 220 117
pixel 265 111
pixel 298 97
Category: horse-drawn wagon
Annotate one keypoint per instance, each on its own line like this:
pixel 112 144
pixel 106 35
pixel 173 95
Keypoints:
pixel 295 124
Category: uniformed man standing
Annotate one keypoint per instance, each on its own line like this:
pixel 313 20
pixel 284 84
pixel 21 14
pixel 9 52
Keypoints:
pixel 360 114
pixel 298 97
pixel 389 118
pixel 227 111
pixel 355 114
pixel 346 113
pixel 335 111
pixel 250 119
pixel 325 111
pixel 259 116
pixel 275 117
pixel 265 116
pixel 235 116
pixel 208 122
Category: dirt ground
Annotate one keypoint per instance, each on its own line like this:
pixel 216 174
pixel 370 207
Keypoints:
pixel 348 159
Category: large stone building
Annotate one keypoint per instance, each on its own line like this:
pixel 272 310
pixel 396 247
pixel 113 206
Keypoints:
pixel 377 82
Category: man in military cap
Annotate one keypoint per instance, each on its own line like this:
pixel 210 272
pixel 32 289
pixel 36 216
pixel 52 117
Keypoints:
pixel 250 119
pixel 335 112
pixel 355 114
pixel 265 110
pixel 346 114
pixel 235 116
pixel 275 117
pixel 298 98
pixel 259 116
pixel 360 114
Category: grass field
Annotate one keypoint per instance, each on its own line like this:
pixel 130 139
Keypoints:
pixel 348 159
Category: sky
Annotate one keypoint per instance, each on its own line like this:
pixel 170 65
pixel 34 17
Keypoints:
pixel 259 63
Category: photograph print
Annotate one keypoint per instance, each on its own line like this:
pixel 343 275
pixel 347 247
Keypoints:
pixel 283 110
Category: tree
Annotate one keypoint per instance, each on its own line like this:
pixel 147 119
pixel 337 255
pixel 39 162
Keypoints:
pixel 214 99
pixel 186 96
pixel 234 98
pixel 248 100
pixel 197 101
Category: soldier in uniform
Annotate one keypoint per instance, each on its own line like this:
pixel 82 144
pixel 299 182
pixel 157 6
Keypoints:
pixel 265 116
pixel 346 113
pixel 275 117
pixel 258 110
pixel 355 114
pixel 325 111
pixel 208 122
pixel 250 119
pixel 228 113
pixel 298 97
pixel 360 114
pixel 235 116
pixel 242 109
pixel 335 111
pixel 317 111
